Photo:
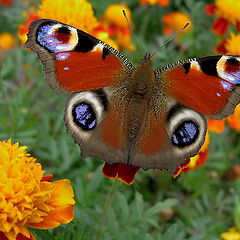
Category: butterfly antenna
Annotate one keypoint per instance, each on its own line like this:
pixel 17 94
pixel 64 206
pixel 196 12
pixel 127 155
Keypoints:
pixel 174 34
pixel 131 30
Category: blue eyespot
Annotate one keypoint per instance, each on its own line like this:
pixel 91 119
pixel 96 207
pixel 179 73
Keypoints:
pixel 51 39
pixel 185 134
pixel 84 116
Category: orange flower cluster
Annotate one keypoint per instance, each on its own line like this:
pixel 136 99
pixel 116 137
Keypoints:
pixel 152 2
pixel 227 12
pixel 117 26
pixel 112 28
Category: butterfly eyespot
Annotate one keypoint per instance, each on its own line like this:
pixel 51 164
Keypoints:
pixel 185 134
pixel 187 129
pixel 84 116
pixel 84 111
pixel 56 37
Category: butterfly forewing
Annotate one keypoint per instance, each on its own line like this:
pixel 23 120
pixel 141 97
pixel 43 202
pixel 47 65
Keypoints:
pixel 72 59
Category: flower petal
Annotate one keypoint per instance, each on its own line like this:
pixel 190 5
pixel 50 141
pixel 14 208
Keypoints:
pixel 124 172
pixel 61 214
pixel 62 204
pixel 62 193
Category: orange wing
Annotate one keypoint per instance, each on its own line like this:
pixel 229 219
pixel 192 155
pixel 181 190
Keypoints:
pixel 209 85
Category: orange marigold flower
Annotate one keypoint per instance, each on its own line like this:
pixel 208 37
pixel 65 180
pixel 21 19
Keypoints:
pixel 27 197
pixel 175 21
pixel 117 26
pixel 216 125
pixel 123 39
pixel 114 15
pixel 152 2
pixel 230 45
pixel 7 40
pixel 234 119
pixel 196 161
pixel 77 13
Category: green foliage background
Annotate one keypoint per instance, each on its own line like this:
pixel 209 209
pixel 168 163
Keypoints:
pixel 32 114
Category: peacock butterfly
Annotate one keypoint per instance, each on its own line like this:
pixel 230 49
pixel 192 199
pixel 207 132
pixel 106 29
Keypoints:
pixel 133 117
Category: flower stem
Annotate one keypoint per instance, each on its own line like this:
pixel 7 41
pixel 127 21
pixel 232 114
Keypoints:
pixel 106 207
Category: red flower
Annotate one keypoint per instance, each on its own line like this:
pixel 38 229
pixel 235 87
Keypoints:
pixel 210 9
pixel 220 26
pixel 6 2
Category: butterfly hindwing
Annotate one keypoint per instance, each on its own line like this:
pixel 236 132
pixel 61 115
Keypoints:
pixel 72 59
pixel 93 124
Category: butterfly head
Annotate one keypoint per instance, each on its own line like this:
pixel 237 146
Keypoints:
pixel 147 59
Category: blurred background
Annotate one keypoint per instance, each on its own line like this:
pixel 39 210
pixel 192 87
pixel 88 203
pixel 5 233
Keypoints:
pixel 202 201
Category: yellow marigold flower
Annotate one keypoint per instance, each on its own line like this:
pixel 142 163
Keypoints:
pixel 234 119
pixel 175 21
pixel 152 2
pixel 7 40
pixel 27 197
pixel 77 13
pixel 231 234
pixel 114 15
pixel 232 44
pixel 228 9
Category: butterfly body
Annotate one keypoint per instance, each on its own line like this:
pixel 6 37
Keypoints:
pixel 134 115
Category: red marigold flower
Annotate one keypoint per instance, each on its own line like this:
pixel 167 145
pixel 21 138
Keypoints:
pixel 221 48
pixel 6 2
pixel 210 9
pixel 220 26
